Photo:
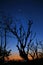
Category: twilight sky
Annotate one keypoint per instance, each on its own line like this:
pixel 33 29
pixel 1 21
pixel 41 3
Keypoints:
pixel 22 10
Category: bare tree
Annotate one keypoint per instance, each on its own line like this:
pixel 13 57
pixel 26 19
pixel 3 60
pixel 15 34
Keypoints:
pixel 41 49
pixel 22 38
pixel 38 49
pixel 3 51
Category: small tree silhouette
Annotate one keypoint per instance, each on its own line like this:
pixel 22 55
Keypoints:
pixel 3 51
pixel 37 49
pixel 41 52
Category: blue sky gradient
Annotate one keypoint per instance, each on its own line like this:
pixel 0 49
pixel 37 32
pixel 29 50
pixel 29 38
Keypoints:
pixel 21 11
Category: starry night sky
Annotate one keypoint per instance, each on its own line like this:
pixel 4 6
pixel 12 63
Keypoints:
pixel 22 10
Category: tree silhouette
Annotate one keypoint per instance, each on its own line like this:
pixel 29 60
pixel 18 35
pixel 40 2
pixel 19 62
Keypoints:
pixel 37 49
pixel 22 38
pixel 3 51
pixel 41 48
pixel 25 41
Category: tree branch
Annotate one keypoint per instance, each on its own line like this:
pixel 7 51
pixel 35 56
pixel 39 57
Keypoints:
pixel 15 33
pixel 28 32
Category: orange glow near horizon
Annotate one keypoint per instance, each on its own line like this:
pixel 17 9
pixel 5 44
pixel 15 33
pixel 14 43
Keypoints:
pixel 16 57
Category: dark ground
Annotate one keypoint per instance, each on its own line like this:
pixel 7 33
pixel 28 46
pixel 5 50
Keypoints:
pixel 33 62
